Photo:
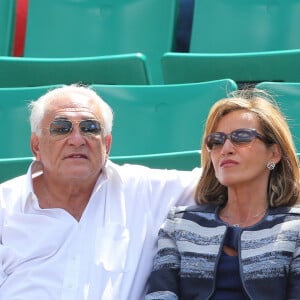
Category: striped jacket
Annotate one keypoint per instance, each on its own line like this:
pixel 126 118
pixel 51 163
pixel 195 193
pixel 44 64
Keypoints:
pixel 190 245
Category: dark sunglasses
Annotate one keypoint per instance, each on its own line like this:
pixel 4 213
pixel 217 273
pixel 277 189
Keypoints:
pixel 238 137
pixel 63 127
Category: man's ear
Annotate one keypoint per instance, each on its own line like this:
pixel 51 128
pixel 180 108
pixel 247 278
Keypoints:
pixel 108 141
pixel 35 146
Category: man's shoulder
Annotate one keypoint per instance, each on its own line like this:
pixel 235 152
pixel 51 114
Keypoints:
pixel 13 183
pixel 13 192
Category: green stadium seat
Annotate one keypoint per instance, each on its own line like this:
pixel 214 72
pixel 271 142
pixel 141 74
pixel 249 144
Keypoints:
pixel 7 17
pixel 185 160
pixel 161 118
pixel 13 167
pixel 147 121
pixel 248 41
pixel 287 95
pixel 14 116
pixel 244 68
pixel 236 26
pixel 64 28
pixel 114 69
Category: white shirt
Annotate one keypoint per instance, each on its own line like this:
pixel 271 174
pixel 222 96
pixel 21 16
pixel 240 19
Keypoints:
pixel 45 254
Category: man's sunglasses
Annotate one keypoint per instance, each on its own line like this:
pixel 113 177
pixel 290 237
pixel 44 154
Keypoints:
pixel 238 137
pixel 62 127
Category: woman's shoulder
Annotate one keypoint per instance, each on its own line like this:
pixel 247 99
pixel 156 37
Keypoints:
pixel 290 215
pixel 183 212
pixel 295 209
pixel 284 210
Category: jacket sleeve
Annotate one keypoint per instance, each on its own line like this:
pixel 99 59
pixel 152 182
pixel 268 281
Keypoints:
pixel 293 290
pixel 164 280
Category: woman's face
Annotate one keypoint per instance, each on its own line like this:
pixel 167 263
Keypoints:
pixel 244 164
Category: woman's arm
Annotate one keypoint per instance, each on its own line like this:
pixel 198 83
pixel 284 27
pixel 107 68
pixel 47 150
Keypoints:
pixel 293 290
pixel 164 280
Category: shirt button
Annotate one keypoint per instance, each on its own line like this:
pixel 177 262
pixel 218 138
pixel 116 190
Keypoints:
pixel 73 258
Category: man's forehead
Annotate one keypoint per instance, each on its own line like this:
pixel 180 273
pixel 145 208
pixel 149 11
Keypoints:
pixel 72 109
pixel 81 106
pixel 71 98
pixel 72 102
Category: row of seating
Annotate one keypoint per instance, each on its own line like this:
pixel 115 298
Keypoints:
pixel 149 119
pixel 109 69
pixel 64 28
pixel 248 41
pixel 249 68
pixel 183 160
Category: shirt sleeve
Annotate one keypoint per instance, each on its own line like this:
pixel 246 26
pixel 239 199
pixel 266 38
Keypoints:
pixel 171 188
pixel 163 281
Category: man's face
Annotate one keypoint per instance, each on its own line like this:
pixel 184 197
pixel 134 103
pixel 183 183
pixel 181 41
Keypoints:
pixel 69 148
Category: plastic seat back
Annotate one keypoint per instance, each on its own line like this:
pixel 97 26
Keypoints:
pixel 116 69
pixel 161 118
pixel 245 26
pixel 185 160
pixel 248 41
pixel 287 95
pixel 14 118
pixel 244 68
pixel 7 17
pixel 13 167
pixel 101 27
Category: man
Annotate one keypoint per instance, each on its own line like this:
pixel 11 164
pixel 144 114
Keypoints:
pixel 77 226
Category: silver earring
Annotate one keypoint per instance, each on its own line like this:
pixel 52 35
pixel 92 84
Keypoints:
pixel 271 165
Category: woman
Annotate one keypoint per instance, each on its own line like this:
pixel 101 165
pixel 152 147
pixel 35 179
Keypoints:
pixel 242 240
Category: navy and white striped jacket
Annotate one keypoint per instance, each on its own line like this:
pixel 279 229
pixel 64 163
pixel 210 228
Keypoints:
pixel 190 245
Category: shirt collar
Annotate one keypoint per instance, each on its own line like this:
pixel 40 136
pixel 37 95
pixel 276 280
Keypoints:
pixel 113 171
pixel 110 171
pixel 33 171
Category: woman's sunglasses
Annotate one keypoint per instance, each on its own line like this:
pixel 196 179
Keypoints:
pixel 238 137
pixel 62 127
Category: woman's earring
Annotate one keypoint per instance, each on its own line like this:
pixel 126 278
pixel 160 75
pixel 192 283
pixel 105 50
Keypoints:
pixel 271 165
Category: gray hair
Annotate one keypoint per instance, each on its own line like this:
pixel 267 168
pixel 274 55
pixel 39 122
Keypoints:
pixel 38 108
